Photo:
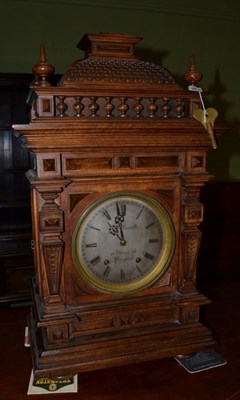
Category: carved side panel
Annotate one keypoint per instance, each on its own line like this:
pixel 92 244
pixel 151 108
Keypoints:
pixel 192 216
pixel 53 253
pixel 51 226
pixel 192 242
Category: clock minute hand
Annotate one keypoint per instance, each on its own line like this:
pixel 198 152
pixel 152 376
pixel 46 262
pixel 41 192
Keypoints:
pixel 122 239
pixel 121 231
pixel 121 212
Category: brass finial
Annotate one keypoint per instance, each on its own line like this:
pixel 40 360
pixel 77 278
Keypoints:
pixel 192 76
pixel 42 70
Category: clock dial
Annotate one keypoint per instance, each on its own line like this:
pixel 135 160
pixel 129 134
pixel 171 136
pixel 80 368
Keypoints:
pixel 123 243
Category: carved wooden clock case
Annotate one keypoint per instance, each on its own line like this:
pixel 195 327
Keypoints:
pixel 120 162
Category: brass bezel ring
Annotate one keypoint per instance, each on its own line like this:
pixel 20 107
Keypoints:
pixel 162 263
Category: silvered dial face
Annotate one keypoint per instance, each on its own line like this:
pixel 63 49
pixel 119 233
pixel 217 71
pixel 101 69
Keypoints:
pixel 120 245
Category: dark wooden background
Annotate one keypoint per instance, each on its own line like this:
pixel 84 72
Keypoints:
pixel 16 259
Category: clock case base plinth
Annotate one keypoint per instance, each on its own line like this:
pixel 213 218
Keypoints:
pixel 132 342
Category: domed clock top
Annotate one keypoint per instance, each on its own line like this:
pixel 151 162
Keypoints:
pixel 111 81
pixel 110 59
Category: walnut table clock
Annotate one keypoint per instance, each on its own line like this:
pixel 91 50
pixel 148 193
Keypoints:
pixel 120 162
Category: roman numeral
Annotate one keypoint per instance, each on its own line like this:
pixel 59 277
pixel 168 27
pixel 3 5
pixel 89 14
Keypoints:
pixel 91 245
pixel 122 275
pixel 139 269
pixel 95 260
pixel 96 229
pixel 153 240
pixel 121 209
pixel 149 226
pixel 107 215
pixel 149 256
pixel 107 271
pixel 140 212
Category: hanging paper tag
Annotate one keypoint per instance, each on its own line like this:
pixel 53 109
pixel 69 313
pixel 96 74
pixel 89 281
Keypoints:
pixel 205 116
pixel 194 88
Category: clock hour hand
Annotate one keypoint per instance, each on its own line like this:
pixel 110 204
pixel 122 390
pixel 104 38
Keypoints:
pixel 114 230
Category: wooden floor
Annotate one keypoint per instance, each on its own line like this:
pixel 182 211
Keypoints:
pixel 158 380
